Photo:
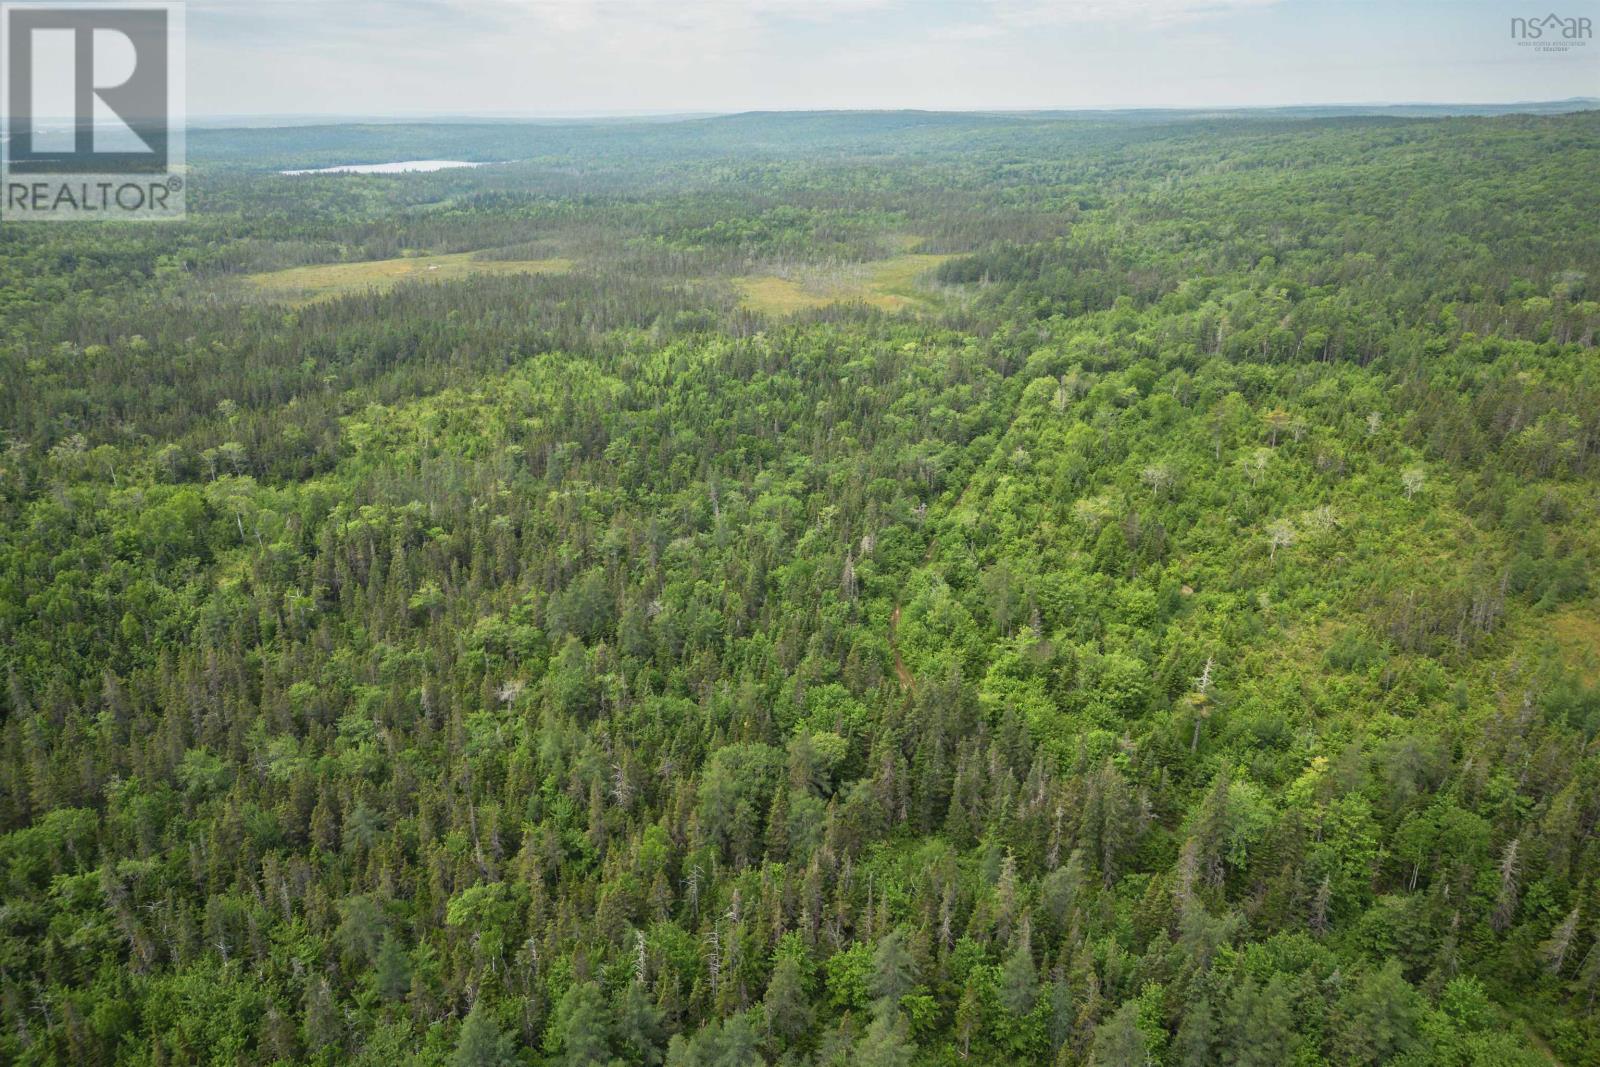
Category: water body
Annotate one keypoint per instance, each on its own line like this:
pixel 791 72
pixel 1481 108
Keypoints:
pixel 409 166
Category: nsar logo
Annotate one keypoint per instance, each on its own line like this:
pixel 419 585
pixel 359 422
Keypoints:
pixel 1552 33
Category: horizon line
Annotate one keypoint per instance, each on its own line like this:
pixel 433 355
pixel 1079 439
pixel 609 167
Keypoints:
pixel 335 117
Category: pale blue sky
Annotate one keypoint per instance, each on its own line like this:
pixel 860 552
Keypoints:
pixel 565 57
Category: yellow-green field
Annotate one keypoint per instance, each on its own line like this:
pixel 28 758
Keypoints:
pixel 1577 636
pixel 327 280
pixel 890 284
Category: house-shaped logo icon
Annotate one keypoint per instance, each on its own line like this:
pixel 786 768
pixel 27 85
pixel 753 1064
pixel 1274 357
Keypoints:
pixel 1553 27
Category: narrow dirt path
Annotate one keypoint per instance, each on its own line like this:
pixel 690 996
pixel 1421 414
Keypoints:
pixel 900 672
pixel 907 683
pixel 1539 1044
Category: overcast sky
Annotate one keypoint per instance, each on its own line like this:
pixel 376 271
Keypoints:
pixel 595 57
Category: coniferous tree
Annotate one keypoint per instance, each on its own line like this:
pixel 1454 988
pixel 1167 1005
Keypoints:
pixel 579 1034
pixel 893 970
pixel 1259 1024
pixel 786 1007
pixel 1380 1017
pixel 392 971
pixel 885 1043
pixel 481 1043
pixel 639 1031
pixel 1119 1042
pixel 1019 979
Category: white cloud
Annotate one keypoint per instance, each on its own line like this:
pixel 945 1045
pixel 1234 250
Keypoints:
pixel 608 56
pixel 1115 12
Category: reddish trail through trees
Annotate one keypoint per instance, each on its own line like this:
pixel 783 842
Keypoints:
pixel 907 682
pixel 900 671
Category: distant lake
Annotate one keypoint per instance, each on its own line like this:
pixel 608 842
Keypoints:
pixel 405 167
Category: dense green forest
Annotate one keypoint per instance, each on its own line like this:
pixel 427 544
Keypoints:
pixel 1170 636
